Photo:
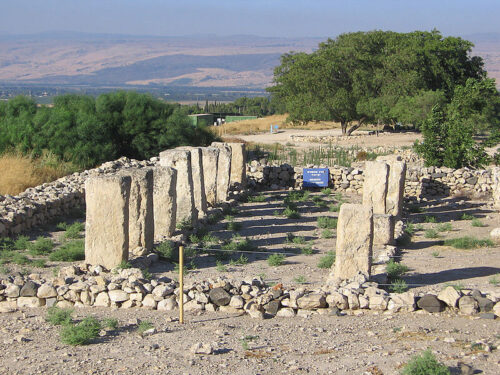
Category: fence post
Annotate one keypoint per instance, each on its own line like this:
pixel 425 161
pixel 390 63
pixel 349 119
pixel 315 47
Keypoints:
pixel 181 284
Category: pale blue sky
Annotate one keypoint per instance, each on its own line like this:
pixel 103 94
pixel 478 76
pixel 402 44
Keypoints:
pixel 258 17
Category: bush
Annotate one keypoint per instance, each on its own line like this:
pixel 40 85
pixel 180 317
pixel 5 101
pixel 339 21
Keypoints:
pixel 256 198
pixel 21 243
pixel 110 323
pixel 297 196
pixel 82 333
pixel 275 260
pixel 399 286
pixel 318 202
pixel 327 260
pixel 167 251
pixel 466 216
pixel 445 227
pixel 241 261
pixel 430 219
pixel 326 222
pixel 327 233
pixel 326 191
pixel 73 231
pixel 395 270
pixel 70 252
pixel 477 223
pixel 307 250
pixel 425 364
pixel 290 213
pixel 144 326
pixel 334 207
pixel 231 224
pixel 431 233
pixel 240 244
pixel 468 243
pixel 41 246
pixel 57 316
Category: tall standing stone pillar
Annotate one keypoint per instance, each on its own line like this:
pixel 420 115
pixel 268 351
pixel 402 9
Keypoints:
pixel 496 187
pixel 238 163
pixel 181 161
pixel 354 242
pixel 200 199
pixel 210 165
pixel 396 184
pixel 107 222
pixel 223 171
pixel 164 201
pixel 141 217
pixel 376 176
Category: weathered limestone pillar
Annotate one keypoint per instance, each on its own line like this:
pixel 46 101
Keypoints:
pixel 181 161
pixel 238 163
pixel 107 223
pixel 210 162
pixel 354 242
pixel 496 187
pixel 376 175
pixel 141 217
pixel 223 171
pixel 200 199
pixel 383 229
pixel 396 184
pixel 164 201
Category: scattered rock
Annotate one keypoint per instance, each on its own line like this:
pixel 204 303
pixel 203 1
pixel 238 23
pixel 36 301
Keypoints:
pixel 431 303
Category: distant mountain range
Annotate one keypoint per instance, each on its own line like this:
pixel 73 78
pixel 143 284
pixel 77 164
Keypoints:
pixel 102 60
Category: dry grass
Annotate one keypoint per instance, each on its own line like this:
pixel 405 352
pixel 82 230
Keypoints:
pixel 19 172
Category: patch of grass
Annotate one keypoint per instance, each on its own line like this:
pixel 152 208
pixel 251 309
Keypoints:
pixel 146 274
pixel 307 250
pixel 21 243
pixel 319 202
pixel 41 246
pixel 399 286
pixel 185 224
pixel 144 326
pixel 327 233
pixel 82 333
pixel 444 227
pixel 326 222
pixel 275 260
pixel 431 233
pixel 326 261
pixel 477 223
pixel 290 213
pixel 214 218
pixel 414 209
pixel 425 364
pixel 238 243
pixel 194 238
pixel 69 252
pixel 410 228
pixel 39 263
pixel 73 231
pixel 395 270
pixel 246 339
pixel 6 244
pixel 468 243
pixel 167 251
pixel 326 191
pixel 62 225
pixel 4 269
pixel 256 198
pixel 298 240
pixel 58 317
pixel 110 323
pixel 430 219
pixel 297 196
pixel 241 261
pixel 209 239
pixel 334 207
pixel 231 224
pixel 435 254
pixel 301 279
pixel 466 216
pixel 494 280
pixel 220 267
pixel 124 265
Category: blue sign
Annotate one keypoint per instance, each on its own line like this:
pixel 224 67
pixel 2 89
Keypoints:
pixel 316 177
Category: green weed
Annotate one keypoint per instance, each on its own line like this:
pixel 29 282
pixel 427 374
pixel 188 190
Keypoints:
pixel 167 251
pixel 444 227
pixel 69 252
pixel 477 223
pixel 256 198
pixel 430 219
pixel 425 364
pixel 58 317
pixel 468 243
pixel 220 267
pixel 431 233
pixel 110 323
pixel 275 260
pixel 242 260
pixel 326 222
pixel 73 231
pixel 300 279
pixel 144 326
pixel 327 233
pixel 466 216
pixel 41 246
pixel 399 286
pixel 395 270
pixel 82 333
pixel 327 260
pixel 21 243
pixel 326 191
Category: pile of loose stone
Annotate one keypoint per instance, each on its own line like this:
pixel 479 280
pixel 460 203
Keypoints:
pixel 86 286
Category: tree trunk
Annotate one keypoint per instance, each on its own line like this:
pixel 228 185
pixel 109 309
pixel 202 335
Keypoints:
pixel 343 126
pixel 354 127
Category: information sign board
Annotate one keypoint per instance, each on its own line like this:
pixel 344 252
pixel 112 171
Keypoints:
pixel 316 177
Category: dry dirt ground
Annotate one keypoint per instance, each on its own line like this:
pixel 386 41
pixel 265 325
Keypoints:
pixel 371 343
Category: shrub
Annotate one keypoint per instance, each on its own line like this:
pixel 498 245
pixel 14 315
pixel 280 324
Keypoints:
pixel 144 326
pixel 275 260
pixel 82 333
pixel 307 250
pixel 240 244
pixel 62 225
pixel 326 222
pixel 70 252
pixel 167 251
pixel 431 233
pixel 242 260
pixel 110 323
pixel 298 240
pixel 326 191
pixel 477 223
pixel 334 207
pixel 57 316
pixel 468 243
pixel 41 246
pixel 220 267
pixel 399 286
pixel 297 196
pixel 395 270
pixel 256 198
pixel 425 364
pixel 185 224
pixel 300 279
pixel 291 213
pixel 327 260
pixel 466 216
pixel 430 219
pixel 318 202
pixel 445 227
pixel 40 263
pixel 19 259
pixel 124 265
pixel 494 280
pixel 231 224
pixel 73 231
pixel 327 233
pixel 21 243
pixel 214 218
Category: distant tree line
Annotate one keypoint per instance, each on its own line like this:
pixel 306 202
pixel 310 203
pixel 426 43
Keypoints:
pixel 88 131
pixel 246 106
pixel 418 79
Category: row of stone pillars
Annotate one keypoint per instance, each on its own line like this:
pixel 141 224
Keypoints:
pixel 128 211
pixel 362 226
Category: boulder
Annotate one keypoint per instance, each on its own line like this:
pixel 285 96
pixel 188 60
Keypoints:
pixel 431 303
pixel 450 296
pixel 219 297
pixel 468 305
pixel 29 289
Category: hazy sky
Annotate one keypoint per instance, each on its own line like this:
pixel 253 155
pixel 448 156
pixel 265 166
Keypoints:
pixel 259 17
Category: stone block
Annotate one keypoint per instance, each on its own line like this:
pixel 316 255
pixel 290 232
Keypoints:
pixel 181 161
pixel 223 171
pixel 354 242
pixel 395 184
pixel 375 186
pixel 383 229
pixel 141 216
pixel 198 173
pixel 210 159
pixel 238 163
pixel 496 187
pixel 107 223
pixel 164 201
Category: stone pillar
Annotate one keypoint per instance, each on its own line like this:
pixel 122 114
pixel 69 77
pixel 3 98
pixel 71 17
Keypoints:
pixel 181 161
pixel 210 162
pixel 238 163
pixel 396 184
pixel 200 199
pixel 223 171
pixel 107 222
pixel 495 174
pixel 375 186
pixel 164 201
pixel 354 242
pixel 141 217
pixel 383 229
